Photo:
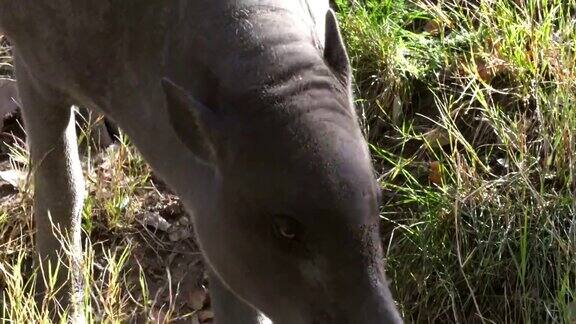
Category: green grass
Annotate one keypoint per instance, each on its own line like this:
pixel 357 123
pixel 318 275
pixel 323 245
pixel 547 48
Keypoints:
pixel 469 106
pixel 469 109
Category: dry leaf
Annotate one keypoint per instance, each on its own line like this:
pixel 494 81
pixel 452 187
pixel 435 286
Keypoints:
pixel 435 173
pixel 432 27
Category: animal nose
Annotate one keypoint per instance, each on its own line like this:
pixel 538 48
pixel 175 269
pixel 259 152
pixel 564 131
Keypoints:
pixel 375 306
pixel 368 302
pixel 378 308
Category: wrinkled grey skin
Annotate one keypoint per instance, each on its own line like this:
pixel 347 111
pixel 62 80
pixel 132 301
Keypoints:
pixel 244 108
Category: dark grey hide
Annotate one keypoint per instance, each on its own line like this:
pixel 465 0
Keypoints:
pixel 244 108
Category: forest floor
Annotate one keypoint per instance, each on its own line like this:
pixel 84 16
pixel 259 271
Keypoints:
pixel 469 106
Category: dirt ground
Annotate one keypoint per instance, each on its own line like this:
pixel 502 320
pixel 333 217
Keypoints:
pixel 160 235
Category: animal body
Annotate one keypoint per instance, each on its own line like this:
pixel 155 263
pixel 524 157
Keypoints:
pixel 244 108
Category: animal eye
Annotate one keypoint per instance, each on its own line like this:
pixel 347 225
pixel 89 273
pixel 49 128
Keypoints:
pixel 287 228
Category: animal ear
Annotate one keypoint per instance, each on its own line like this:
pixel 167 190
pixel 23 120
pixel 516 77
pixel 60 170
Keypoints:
pixel 335 53
pixel 191 120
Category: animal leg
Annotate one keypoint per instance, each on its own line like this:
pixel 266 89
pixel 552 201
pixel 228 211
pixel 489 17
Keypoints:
pixel 58 186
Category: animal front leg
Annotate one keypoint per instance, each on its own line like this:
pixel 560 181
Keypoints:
pixel 58 191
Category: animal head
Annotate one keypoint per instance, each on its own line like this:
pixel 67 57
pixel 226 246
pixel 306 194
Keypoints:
pixel 294 229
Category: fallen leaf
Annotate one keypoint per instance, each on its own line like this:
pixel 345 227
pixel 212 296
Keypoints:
pixel 488 70
pixel 435 173
pixel 432 27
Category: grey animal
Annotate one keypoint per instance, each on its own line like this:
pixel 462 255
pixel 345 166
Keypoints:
pixel 8 93
pixel 244 108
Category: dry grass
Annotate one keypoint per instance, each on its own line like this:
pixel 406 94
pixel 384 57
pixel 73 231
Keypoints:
pixel 134 270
